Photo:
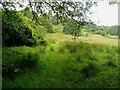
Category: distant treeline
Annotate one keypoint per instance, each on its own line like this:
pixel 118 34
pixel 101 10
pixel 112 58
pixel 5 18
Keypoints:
pixel 103 30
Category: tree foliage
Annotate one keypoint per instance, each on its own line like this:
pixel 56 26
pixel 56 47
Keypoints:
pixel 46 23
pixel 102 30
pixel 72 28
pixel 19 30
pixel 112 30
pixel 90 27
pixel 77 11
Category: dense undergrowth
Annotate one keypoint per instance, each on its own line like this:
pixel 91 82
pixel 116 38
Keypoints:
pixel 69 64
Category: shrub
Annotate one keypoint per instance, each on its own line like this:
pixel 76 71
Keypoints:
pixel 89 70
pixel 103 33
pixel 11 68
pixel 9 71
pixel 29 60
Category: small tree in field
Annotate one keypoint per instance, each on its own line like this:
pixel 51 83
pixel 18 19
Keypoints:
pixel 72 28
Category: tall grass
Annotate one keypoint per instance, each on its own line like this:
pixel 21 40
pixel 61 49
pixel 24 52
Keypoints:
pixel 69 65
pixel 18 59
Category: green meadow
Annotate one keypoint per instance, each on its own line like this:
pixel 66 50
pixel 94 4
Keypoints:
pixel 57 48
pixel 67 64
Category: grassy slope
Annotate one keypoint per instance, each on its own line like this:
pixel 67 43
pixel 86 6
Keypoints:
pixel 64 63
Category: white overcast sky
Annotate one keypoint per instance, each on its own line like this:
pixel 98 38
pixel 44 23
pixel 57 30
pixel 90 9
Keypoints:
pixel 105 14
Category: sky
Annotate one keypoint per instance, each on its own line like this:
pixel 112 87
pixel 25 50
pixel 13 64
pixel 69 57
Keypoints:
pixel 105 14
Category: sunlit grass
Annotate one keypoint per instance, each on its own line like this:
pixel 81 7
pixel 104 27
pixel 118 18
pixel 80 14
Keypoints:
pixel 91 38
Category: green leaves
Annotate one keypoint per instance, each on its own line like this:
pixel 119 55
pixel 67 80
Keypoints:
pixel 71 27
pixel 19 30
pixel 45 22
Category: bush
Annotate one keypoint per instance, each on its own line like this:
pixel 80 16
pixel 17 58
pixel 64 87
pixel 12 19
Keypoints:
pixel 11 68
pixel 29 60
pixel 9 71
pixel 103 33
pixel 89 70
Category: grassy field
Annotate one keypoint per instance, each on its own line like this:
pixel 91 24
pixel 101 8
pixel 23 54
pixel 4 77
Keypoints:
pixel 90 62
pixel 91 38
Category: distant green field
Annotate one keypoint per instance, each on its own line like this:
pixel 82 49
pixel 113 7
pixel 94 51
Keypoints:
pixel 91 38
